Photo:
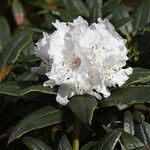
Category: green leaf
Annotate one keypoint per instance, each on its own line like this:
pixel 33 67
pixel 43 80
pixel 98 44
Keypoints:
pixel 96 10
pixel 44 4
pixel 90 146
pixel 127 96
pixel 141 14
pixel 66 15
pixel 21 88
pixel 64 143
pixel 90 3
pixel 106 7
pixel 27 76
pixel 138 116
pixel 120 12
pixel 76 6
pixel 14 47
pixel 142 131
pixel 139 75
pixel 130 142
pixel 119 24
pixel 17 7
pixel 35 144
pixel 128 124
pixel 109 141
pixel 49 18
pixel 41 118
pixel 83 107
pixel 140 148
pixel 147 28
pixel 122 146
pixel 28 49
pixel 5 34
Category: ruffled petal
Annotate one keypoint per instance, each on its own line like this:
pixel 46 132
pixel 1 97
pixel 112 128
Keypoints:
pixel 83 59
pixel 64 92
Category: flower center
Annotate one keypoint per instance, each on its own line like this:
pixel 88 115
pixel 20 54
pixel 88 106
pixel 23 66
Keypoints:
pixel 76 62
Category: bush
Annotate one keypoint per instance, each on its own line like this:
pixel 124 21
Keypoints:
pixel 30 116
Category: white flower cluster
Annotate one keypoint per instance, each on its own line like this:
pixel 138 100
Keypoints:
pixel 83 59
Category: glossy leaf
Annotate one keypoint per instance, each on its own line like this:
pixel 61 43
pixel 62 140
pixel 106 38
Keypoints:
pixel 128 124
pixel 96 10
pixel 130 142
pixel 23 87
pixel 110 140
pixel 49 18
pixel 106 7
pixel 14 47
pixel 147 28
pixel 27 76
pixel 76 6
pixel 64 143
pixel 83 107
pixel 119 24
pixel 5 34
pixel 139 75
pixel 138 116
pixel 90 146
pixel 35 144
pixel 142 131
pixel 28 50
pixel 127 96
pixel 41 118
pixel 17 7
pixel 142 14
pixel 66 15
pixel 119 12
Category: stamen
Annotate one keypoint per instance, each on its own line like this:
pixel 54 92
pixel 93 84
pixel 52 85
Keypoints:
pixel 76 62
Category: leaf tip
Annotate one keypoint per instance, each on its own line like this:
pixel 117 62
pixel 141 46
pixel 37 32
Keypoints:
pixel 12 137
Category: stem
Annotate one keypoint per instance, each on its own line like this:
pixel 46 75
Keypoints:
pixel 141 107
pixel 76 133
pixel 128 37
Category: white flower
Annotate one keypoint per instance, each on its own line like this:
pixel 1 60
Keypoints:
pixel 83 59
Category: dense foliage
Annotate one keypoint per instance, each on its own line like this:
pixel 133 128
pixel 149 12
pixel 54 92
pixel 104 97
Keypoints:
pixel 30 118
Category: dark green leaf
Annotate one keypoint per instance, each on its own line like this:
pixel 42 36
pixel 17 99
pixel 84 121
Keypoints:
pixel 90 146
pixel 83 107
pixel 142 14
pixel 17 7
pixel 127 96
pixel 28 49
pixel 122 146
pixel 76 6
pixel 106 7
pixel 120 12
pixel 141 148
pixel 90 3
pixel 35 144
pixel 128 124
pixel 147 28
pixel 41 118
pixel 138 116
pixel 14 47
pixel 21 88
pixel 142 131
pixel 5 34
pixel 27 76
pixel 66 15
pixel 139 75
pixel 130 142
pixel 110 140
pixel 123 22
pixel 64 143
pixel 96 10
pixel 49 18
